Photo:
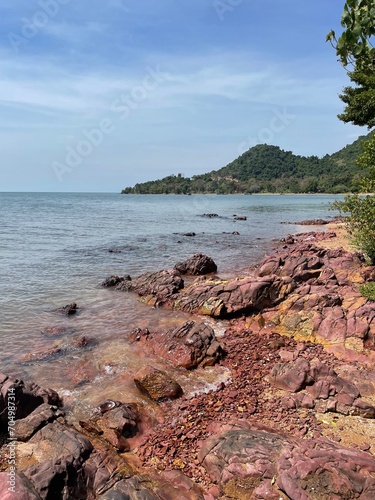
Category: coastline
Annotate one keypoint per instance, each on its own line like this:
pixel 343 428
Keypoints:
pixel 170 450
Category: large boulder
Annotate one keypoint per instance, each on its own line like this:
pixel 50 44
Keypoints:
pixel 154 288
pixel 157 384
pixel 58 453
pixel 190 345
pixel 219 299
pixel 197 265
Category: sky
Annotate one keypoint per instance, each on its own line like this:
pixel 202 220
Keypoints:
pixel 96 96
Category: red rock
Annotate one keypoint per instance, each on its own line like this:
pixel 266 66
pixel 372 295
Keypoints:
pixel 192 344
pixel 298 466
pixel 290 377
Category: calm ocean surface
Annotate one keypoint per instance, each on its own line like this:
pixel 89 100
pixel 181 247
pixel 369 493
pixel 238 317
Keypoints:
pixel 54 249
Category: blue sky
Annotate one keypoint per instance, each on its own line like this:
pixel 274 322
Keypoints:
pixel 96 96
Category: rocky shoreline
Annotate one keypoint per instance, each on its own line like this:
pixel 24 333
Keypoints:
pixel 294 416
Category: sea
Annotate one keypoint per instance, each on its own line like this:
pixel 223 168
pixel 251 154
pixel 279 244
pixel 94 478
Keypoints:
pixel 57 248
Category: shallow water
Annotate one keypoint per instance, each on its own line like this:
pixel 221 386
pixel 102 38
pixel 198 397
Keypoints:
pixel 54 249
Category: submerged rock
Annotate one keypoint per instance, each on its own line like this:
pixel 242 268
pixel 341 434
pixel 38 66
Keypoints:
pixel 59 348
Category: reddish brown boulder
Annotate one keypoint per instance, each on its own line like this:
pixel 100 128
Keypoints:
pixel 187 346
pixel 129 488
pixel 321 382
pixel 175 486
pixel 290 376
pixel 157 384
pixel 197 265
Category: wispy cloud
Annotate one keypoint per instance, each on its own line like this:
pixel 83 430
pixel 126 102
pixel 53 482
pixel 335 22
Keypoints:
pixel 222 81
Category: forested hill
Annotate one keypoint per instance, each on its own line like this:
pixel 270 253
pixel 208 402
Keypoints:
pixel 269 169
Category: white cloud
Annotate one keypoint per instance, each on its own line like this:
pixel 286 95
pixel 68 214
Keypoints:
pixel 73 32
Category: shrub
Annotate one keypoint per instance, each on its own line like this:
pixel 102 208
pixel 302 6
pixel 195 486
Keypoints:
pixel 361 210
pixel 360 222
pixel 368 290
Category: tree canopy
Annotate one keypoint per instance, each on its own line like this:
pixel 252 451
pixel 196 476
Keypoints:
pixel 354 47
pixel 359 100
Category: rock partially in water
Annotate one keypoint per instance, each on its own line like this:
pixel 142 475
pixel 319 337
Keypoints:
pixel 157 384
pixel 69 309
pixel 310 222
pixel 188 346
pixel 197 265
pixel 115 280
pixel 210 216
pixel 155 288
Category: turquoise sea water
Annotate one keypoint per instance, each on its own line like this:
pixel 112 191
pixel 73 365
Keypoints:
pixel 54 249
